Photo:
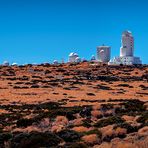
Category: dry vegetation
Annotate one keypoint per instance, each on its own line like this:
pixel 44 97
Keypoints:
pixel 74 105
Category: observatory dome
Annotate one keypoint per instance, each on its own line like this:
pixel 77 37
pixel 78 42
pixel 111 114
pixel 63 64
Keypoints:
pixel 55 62
pixel 78 59
pixel 5 63
pixel 93 58
pixel 73 56
pixel 14 64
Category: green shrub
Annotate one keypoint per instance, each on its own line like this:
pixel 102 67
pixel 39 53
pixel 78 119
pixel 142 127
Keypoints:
pixel 134 105
pixel 109 121
pixel 74 145
pixel 4 137
pixel 94 131
pixel 35 140
pixel 86 123
pixel 69 135
pixel 107 106
pixel 143 118
pixel 24 122
pixel 90 94
pixel 130 129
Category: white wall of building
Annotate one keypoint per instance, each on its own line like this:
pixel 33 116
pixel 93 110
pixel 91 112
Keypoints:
pixel 127 41
pixel 103 53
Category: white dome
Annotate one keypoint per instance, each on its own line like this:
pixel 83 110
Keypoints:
pixel 93 57
pixel 55 62
pixel 78 59
pixel 14 64
pixel 73 54
pixel 6 63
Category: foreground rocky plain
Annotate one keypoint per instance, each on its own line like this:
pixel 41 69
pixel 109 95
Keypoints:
pixel 74 106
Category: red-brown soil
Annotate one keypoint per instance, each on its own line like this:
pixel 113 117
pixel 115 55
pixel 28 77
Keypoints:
pixel 77 105
pixel 33 84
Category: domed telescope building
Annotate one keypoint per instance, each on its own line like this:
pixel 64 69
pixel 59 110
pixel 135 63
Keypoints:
pixel 72 57
pixel 126 51
pixel 103 53
pixel 5 63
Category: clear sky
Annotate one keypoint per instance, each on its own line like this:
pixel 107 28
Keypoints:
pixel 36 31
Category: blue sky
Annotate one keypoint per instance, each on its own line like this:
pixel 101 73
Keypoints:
pixel 36 31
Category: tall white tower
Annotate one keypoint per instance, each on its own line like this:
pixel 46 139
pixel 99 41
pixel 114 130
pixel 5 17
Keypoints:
pixel 127 41
pixel 126 51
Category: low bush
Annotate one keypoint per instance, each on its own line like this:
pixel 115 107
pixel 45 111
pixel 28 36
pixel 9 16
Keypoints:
pixel 109 121
pixel 24 122
pixel 127 126
pixel 86 122
pixel 35 86
pixel 90 94
pixel 4 137
pixel 16 87
pixel 106 107
pixel 103 87
pixel 69 135
pixel 74 145
pixel 143 87
pixel 134 105
pixel 124 85
pixel 94 131
pixel 108 78
pixel 143 118
pixel 35 140
pixel 86 112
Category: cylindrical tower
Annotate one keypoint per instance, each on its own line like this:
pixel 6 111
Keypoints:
pixel 103 53
pixel 127 41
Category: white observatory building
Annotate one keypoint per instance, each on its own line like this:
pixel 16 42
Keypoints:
pixel 78 60
pixel 5 63
pixel 73 57
pixel 14 64
pixel 103 53
pixel 93 58
pixel 55 62
pixel 126 51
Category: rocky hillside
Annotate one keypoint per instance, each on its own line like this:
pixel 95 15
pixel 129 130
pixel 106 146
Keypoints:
pixel 74 105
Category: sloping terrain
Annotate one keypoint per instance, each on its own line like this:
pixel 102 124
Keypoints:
pixel 78 83
pixel 74 105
